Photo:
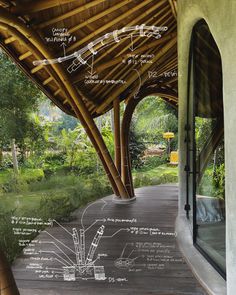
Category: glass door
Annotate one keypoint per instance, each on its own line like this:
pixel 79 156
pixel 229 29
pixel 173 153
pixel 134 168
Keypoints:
pixel 206 175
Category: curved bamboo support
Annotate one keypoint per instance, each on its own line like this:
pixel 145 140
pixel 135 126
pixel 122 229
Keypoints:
pixel 116 107
pixel 125 129
pixel 74 97
pixel 7 282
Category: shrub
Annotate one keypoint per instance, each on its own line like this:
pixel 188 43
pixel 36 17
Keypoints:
pixel 153 162
pixel 8 242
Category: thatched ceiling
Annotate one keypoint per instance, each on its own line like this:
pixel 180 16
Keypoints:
pixel 89 33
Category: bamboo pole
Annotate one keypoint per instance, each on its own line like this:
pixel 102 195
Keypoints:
pixel 126 171
pixel 116 105
pixel 135 41
pixel 99 15
pixel 138 19
pixel 48 80
pixel 142 49
pixel 7 282
pixel 108 25
pixel 9 40
pixel 74 108
pixel 73 94
pixel 5 3
pixel 24 55
pixel 172 8
pixel 36 6
pixel 124 69
pixel 36 69
pixel 69 14
pixel 122 57
pixel 132 78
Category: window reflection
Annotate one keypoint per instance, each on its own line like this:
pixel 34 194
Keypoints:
pixel 208 183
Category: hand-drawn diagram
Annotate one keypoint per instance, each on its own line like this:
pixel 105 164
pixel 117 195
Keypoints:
pixel 82 56
pixel 85 253
pixel 125 262
pixel 87 61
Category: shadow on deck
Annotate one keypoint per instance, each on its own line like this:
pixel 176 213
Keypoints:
pixel 129 249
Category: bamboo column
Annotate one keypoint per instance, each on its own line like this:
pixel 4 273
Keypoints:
pixel 116 106
pixel 126 173
pixel 53 76
pixel 74 95
pixel 7 282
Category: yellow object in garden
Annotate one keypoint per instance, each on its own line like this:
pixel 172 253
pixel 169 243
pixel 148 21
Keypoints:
pixel 168 135
pixel 174 157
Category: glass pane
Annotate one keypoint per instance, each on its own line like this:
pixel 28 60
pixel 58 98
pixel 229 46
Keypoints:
pixel 210 193
pixel 209 146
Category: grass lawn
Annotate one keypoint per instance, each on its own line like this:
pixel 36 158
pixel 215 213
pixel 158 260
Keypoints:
pixel 58 196
pixel 158 175
pixel 54 198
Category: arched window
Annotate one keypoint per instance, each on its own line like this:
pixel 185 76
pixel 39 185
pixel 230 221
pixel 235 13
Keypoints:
pixel 205 147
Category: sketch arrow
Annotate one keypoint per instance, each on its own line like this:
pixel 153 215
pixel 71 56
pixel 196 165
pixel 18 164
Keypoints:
pixel 64 47
pixel 91 71
pixel 140 84
pixel 132 42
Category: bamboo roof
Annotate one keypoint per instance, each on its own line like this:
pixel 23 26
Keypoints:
pixel 82 52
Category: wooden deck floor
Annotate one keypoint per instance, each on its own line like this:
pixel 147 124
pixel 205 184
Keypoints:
pixel 133 251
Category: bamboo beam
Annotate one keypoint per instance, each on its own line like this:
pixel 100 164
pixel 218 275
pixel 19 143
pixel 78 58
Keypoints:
pixel 27 44
pixel 137 20
pixel 9 40
pixel 172 8
pixel 57 92
pixel 36 69
pixel 119 75
pixel 48 80
pixel 75 97
pixel 38 55
pixel 119 59
pixel 116 105
pixel 99 15
pixel 125 129
pixel 109 25
pixel 4 3
pixel 122 57
pixel 69 14
pixel 132 78
pixel 36 6
pixel 24 55
pixel 125 71
pixel 135 41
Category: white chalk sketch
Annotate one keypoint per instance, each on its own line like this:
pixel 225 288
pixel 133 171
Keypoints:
pixel 125 262
pixel 83 254
pixel 85 56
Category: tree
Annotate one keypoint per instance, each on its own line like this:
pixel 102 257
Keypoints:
pixel 153 117
pixel 19 98
pixel 71 142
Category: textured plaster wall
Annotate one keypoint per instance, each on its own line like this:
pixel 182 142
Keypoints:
pixel 220 16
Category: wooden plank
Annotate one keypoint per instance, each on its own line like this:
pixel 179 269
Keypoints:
pixel 155 207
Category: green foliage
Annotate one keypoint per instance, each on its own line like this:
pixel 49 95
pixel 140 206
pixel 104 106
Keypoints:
pixel 19 97
pixel 153 117
pixel 9 241
pixel 153 162
pixel 219 180
pixel 54 198
pixel 213 182
pixel 9 182
pixel 136 148
pixel 159 175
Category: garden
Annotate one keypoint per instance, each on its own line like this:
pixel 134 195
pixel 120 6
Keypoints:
pixel 49 168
